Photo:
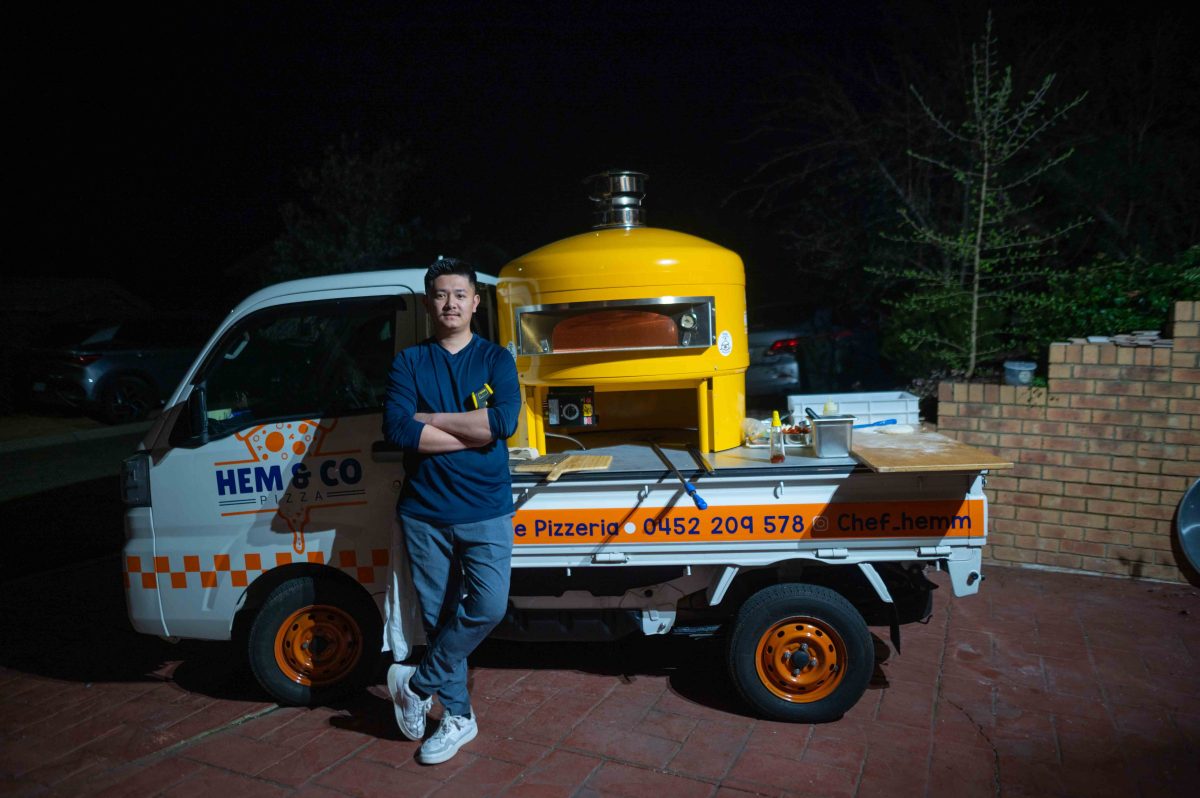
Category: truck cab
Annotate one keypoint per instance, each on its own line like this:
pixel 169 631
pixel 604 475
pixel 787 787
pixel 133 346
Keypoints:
pixel 259 473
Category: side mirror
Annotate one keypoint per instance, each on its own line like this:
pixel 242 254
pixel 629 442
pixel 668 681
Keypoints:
pixel 198 412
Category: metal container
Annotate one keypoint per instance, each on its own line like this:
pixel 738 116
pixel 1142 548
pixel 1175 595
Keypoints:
pixel 832 435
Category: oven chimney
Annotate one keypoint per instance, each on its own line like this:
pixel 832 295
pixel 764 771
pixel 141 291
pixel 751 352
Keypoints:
pixel 616 197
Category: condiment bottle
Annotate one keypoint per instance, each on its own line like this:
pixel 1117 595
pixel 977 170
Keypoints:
pixel 777 455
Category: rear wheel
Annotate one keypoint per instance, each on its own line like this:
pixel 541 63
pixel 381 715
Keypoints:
pixel 126 398
pixel 314 640
pixel 800 653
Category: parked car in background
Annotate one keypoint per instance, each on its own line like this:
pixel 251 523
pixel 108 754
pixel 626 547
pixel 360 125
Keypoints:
pixel 791 353
pixel 118 370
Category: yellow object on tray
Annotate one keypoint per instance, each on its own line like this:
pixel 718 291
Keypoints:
pixel 555 465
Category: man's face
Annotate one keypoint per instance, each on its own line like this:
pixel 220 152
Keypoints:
pixel 452 303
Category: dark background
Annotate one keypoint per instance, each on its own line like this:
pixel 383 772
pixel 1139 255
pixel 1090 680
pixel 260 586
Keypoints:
pixel 155 146
pixel 173 137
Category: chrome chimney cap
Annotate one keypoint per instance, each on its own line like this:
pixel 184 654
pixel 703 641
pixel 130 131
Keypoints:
pixel 617 198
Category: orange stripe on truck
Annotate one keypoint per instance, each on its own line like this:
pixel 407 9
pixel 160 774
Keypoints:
pixel 686 524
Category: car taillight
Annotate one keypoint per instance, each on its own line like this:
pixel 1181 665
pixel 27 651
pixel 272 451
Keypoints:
pixel 82 360
pixel 135 480
pixel 783 346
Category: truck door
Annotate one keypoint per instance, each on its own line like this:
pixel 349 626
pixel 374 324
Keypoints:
pixel 270 466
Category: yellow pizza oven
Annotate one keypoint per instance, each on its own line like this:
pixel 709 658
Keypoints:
pixel 628 331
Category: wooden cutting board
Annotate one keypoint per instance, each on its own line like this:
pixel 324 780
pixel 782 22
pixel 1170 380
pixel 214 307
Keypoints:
pixel 919 451
pixel 555 465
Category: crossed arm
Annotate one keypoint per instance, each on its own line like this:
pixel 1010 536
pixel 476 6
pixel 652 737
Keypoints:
pixel 442 432
pixel 453 432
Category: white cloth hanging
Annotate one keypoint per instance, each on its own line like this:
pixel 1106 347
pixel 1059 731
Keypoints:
pixel 402 626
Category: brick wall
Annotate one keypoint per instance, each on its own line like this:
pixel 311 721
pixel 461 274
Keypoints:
pixel 1102 456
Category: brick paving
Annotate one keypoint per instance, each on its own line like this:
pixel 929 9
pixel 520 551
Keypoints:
pixel 1044 684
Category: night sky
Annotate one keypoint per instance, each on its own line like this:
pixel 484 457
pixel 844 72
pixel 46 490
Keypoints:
pixel 162 142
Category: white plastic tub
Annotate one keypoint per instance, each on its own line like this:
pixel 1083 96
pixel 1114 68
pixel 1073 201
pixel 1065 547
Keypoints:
pixel 1018 372
pixel 867 408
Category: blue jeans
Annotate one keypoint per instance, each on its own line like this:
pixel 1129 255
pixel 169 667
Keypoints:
pixel 448 561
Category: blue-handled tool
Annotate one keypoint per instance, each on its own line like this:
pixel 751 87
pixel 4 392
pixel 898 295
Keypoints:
pixel 883 423
pixel 687 486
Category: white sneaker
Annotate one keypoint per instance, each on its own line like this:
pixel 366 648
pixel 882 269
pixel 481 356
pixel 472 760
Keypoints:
pixel 410 710
pixel 453 733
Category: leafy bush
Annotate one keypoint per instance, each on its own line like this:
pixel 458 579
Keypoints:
pixel 1109 297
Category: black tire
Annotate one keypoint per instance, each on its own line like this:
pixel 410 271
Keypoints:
pixel 125 398
pixel 314 641
pixel 782 623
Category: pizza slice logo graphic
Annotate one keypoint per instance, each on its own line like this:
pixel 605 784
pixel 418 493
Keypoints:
pixel 283 441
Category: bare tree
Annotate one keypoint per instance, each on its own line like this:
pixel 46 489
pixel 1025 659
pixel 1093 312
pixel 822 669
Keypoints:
pixel 836 126
pixel 991 254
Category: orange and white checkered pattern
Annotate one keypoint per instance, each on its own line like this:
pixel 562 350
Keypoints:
pixel 189 570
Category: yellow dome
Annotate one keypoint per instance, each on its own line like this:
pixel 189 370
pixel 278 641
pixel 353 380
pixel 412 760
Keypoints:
pixel 626 256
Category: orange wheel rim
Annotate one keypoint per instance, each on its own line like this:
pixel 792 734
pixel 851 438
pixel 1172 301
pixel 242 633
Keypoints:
pixel 801 659
pixel 318 645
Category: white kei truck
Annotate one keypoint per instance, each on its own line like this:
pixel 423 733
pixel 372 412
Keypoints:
pixel 261 503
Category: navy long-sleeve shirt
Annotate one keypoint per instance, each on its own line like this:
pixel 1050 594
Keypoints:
pixel 452 487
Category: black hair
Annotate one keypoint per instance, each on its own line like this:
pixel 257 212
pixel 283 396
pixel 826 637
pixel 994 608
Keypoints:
pixel 443 266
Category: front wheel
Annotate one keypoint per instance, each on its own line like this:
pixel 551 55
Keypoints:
pixel 800 653
pixel 314 640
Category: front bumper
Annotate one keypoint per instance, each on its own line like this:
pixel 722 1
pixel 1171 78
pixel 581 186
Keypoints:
pixel 141 593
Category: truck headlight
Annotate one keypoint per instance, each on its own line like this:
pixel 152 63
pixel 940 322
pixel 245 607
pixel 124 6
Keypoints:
pixel 135 480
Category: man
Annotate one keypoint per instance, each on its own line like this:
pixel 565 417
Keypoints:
pixel 455 508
